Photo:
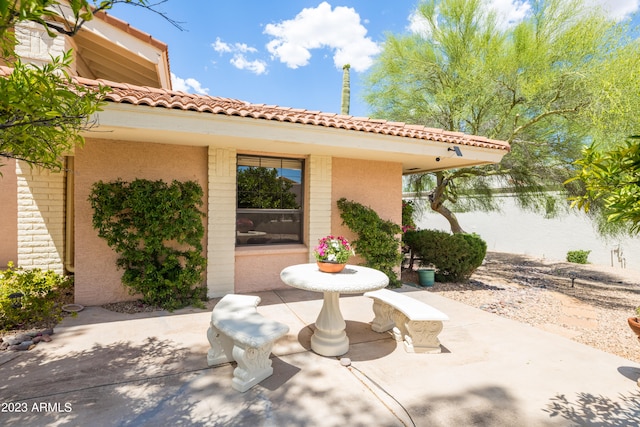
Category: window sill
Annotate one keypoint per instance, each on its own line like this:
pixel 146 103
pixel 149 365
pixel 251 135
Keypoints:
pixel 271 250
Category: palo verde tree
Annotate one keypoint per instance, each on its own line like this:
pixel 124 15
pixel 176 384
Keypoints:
pixel 562 77
pixel 42 110
pixel 611 181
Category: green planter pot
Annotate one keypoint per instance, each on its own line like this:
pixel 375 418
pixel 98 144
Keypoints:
pixel 426 276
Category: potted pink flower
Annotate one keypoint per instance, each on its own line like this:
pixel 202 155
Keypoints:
pixel 332 253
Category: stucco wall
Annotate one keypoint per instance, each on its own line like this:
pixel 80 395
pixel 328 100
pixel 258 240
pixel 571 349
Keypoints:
pixel 258 269
pixel 97 279
pixel 8 212
pixel 375 184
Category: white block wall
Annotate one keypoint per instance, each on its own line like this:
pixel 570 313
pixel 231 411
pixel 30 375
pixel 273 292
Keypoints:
pixel 319 200
pixel 34 44
pixel 221 231
pixel 40 218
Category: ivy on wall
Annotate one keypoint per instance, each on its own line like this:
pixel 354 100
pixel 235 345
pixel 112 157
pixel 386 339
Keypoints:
pixel 156 229
pixel 377 240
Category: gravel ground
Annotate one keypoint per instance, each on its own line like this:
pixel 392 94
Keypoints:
pixel 592 308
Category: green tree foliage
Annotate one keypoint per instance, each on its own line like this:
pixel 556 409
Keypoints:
pixel 611 180
pixel 260 187
pixel 377 240
pixel 562 77
pixel 157 230
pixel 42 111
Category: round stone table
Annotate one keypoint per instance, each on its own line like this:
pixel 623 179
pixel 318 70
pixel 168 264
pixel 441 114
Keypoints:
pixel 330 338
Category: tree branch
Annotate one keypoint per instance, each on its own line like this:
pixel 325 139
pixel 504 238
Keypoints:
pixel 539 117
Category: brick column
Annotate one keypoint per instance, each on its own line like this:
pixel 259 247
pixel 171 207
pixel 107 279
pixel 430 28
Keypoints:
pixel 221 218
pixel 318 200
pixel 40 218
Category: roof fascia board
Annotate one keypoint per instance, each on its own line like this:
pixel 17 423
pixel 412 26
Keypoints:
pixel 162 125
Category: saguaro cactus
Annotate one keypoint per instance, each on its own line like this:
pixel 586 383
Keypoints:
pixel 346 90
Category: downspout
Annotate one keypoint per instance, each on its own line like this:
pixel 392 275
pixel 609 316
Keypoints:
pixel 69 244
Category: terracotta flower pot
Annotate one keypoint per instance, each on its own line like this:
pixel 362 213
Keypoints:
pixel 634 324
pixel 330 267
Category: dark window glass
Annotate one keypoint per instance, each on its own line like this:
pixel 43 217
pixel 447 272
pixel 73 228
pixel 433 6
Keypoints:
pixel 269 195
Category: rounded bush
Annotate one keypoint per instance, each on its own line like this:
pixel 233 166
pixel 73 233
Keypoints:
pixel 578 256
pixel 454 256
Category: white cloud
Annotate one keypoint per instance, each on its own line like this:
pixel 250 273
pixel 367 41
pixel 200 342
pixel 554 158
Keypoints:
pixel 244 48
pixel 418 24
pixel 321 27
pixel 510 12
pixel 223 47
pixel 188 85
pixel 239 60
pixel 257 66
pixel 220 46
pixel 618 9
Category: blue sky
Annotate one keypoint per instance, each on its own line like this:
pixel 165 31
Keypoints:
pixel 288 53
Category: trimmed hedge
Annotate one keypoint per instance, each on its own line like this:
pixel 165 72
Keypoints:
pixel 454 256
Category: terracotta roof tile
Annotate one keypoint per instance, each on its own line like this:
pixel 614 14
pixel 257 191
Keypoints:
pixel 154 97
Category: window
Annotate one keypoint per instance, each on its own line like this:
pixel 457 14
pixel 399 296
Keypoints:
pixel 269 195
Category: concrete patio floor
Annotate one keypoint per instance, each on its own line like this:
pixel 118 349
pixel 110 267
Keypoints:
pixel 150 369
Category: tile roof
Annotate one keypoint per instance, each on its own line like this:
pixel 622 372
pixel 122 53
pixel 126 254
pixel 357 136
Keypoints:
pixel 154 97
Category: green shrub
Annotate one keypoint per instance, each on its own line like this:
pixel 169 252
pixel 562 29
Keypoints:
pixel 377 242
pixel 578 257
pixel 408 209
pixel 454 256
pixel 31 296
pixel 157 230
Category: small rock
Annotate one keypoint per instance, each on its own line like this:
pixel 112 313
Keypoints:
pixel 14 340
pixel 37 339
pixel 46 338
pixel 345 361
pixel 23 346
pixel 4 345
pixel 48 332
pixel 23 337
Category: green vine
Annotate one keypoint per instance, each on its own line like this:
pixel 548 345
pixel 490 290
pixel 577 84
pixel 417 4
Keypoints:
pixel 157 230
pixel 377 240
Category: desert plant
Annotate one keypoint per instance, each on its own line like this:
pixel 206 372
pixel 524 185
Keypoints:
pixel 377 240
pixel 157 230
pixel 454 256
pixel 31 296
pixel 578 256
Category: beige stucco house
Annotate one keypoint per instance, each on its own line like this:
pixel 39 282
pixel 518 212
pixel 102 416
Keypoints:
pixel 146 130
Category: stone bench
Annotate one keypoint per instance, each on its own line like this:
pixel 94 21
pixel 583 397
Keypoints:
pixel 413 322
pixel 239 333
